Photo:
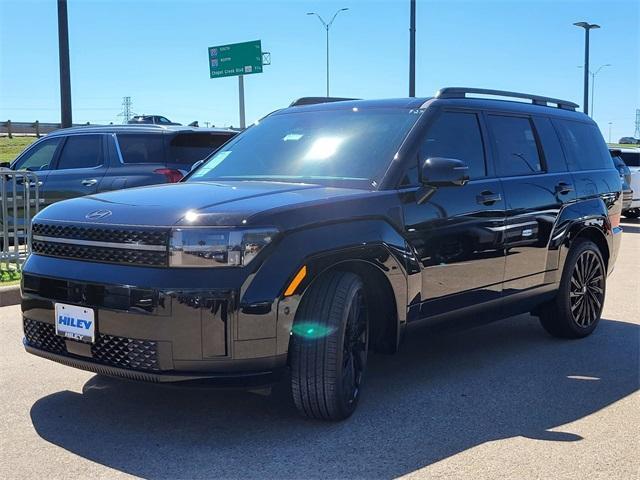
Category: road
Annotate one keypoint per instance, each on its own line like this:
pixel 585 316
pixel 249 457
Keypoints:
pixel 501 401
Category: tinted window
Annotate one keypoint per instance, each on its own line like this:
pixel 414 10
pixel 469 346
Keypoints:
pixel 548 137
pixel 516 146
pixel 81 151
pixel 188 148
pixel 457 135
pixel 163 120
pixel 138 148
pixel 336 144
pixel 584 146
pixel 632 159
pixel 40 156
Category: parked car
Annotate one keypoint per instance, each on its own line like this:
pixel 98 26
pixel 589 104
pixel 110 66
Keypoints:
pixel 629 141
pixel 85 160
pixel 321 233
pixel 151 119
pixel 625 177
pixel 631 157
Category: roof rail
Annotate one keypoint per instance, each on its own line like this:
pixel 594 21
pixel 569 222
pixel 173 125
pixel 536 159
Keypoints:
pixel 316 100
pixel 461 92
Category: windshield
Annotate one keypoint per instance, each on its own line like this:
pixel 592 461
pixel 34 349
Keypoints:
pixel 331 145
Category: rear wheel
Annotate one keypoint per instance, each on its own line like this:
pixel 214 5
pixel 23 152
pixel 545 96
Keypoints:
pixel 576 310
pixel 329 347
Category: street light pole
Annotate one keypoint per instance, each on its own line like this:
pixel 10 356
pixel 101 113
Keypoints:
pixel 610 131
pixel 63 58
pixel 412 49
pixel 587 27
pixel 593 84
pixel 327 26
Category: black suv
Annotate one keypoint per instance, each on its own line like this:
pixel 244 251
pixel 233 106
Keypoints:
pixel 320 233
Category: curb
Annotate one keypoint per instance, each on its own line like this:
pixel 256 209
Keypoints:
pixel 9 295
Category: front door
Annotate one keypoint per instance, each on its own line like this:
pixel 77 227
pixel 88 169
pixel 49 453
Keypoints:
pixel 457 231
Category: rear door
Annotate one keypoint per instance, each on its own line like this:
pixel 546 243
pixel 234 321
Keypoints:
pixel 457 231
pixel 137 160
pixel 79 169
pixel 536 185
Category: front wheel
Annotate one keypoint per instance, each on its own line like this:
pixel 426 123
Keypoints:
pixel 330 339
pixel 576 310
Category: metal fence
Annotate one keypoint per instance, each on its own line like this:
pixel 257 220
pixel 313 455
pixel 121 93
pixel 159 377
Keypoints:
pixel 20 201
pixel 36 128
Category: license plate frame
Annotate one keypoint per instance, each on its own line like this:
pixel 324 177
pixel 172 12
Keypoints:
pixel 75 322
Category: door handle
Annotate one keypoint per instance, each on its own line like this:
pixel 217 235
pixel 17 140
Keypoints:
pixel 563 188
pixel 488 198
pixel 89 182
pixel 21 181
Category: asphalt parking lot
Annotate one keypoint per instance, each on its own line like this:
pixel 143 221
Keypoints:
pixel 501 401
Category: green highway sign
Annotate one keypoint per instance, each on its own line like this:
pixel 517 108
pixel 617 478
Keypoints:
pixel 235 59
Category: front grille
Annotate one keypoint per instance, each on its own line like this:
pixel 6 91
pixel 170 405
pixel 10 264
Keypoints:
pixel 43 336
pixel 120 245
pixel 100 254
pixel 99 234
pixel 121 352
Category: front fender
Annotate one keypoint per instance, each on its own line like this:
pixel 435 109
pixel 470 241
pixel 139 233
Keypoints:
pixel 320 248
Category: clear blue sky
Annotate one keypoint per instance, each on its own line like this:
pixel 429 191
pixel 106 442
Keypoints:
pixel 156 52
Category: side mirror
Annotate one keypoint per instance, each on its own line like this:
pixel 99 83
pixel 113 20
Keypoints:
pixel 5 164
pixel 444 172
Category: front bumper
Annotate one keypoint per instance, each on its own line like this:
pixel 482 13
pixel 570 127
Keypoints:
pixel 153 334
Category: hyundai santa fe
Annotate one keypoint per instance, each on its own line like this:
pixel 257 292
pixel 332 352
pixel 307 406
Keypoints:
pixel 320 233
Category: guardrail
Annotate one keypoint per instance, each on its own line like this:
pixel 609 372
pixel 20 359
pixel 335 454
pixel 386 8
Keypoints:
pixel 19 201
pixel 36 128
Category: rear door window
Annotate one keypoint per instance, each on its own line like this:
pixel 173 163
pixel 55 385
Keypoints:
pixel 81 151
pixel 516 146
pixel 583 145
pixel 40 156
pixel 139 148
pixel 188 148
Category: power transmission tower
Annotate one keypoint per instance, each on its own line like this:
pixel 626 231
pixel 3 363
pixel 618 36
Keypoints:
pixel 637 132
pixel 126 113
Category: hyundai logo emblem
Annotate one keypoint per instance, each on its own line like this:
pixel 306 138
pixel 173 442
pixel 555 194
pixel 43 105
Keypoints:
pixel 98 214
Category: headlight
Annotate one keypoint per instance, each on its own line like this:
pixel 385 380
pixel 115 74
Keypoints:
pixel 217 247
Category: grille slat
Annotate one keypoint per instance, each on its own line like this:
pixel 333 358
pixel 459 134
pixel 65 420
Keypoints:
pixel 109 350
pixel 105 254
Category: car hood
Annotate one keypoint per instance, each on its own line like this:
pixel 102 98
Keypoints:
pixel 208 203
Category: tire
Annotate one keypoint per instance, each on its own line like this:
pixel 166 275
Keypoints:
pixel 576 310
pixel 635 213
pixel 330 340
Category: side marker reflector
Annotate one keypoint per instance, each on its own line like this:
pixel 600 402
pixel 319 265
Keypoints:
pixel 296 281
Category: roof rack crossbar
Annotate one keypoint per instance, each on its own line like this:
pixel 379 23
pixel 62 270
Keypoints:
pixel 461 92
pixel 316 100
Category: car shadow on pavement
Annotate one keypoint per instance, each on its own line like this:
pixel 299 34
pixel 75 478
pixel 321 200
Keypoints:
pixel 442 394
pixel 630 225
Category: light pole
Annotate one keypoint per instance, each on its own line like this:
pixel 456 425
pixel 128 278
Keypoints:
pixel 593 83
pixel 610 131
pixel 327 26
pixel 412 48
pixel 65 75
pixel 587 27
